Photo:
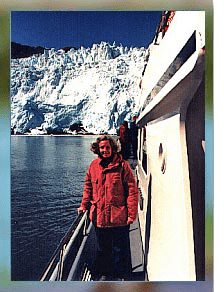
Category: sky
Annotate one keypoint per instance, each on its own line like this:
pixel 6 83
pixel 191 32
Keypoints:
pixel 58 29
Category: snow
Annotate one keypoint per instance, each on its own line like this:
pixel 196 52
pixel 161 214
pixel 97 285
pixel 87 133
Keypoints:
pixel 98 87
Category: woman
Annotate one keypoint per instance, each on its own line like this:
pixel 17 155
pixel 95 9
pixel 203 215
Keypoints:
pixel 111 189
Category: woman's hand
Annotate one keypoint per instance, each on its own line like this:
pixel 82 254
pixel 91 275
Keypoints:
pixel 80 210
pixel 130 220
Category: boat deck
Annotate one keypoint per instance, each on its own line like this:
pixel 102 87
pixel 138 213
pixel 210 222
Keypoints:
pixel 87 254
pixel 137 257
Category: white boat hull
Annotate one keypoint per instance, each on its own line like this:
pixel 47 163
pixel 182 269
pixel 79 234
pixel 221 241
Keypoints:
pixel 171 160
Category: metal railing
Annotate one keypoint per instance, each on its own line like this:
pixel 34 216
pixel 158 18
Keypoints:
pixel 55 268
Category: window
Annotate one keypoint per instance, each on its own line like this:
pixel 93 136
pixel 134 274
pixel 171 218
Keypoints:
pixel 139 144
pixel 144 151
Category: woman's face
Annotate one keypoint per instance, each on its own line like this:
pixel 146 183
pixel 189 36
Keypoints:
pixel 105 149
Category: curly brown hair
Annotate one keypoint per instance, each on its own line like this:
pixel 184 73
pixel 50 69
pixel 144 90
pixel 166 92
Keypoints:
pixel 114 144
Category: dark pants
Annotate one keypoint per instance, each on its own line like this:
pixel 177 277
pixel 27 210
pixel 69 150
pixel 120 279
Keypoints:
pixel 113 255
pixel 134 149
pixel 125 150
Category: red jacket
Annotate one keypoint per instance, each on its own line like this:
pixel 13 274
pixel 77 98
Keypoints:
pixel 121 133
pixel 104 188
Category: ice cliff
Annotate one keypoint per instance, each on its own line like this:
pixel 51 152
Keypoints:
pixel 57 91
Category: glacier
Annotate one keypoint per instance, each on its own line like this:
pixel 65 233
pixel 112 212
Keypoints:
pixel 85 90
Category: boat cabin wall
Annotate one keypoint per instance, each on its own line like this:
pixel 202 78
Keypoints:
pixel 195 139
pixel 166 218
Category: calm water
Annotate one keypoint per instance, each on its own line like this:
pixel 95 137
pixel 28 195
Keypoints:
pixel 47 177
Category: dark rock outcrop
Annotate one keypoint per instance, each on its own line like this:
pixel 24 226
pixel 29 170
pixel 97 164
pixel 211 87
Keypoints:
pixel 24 51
